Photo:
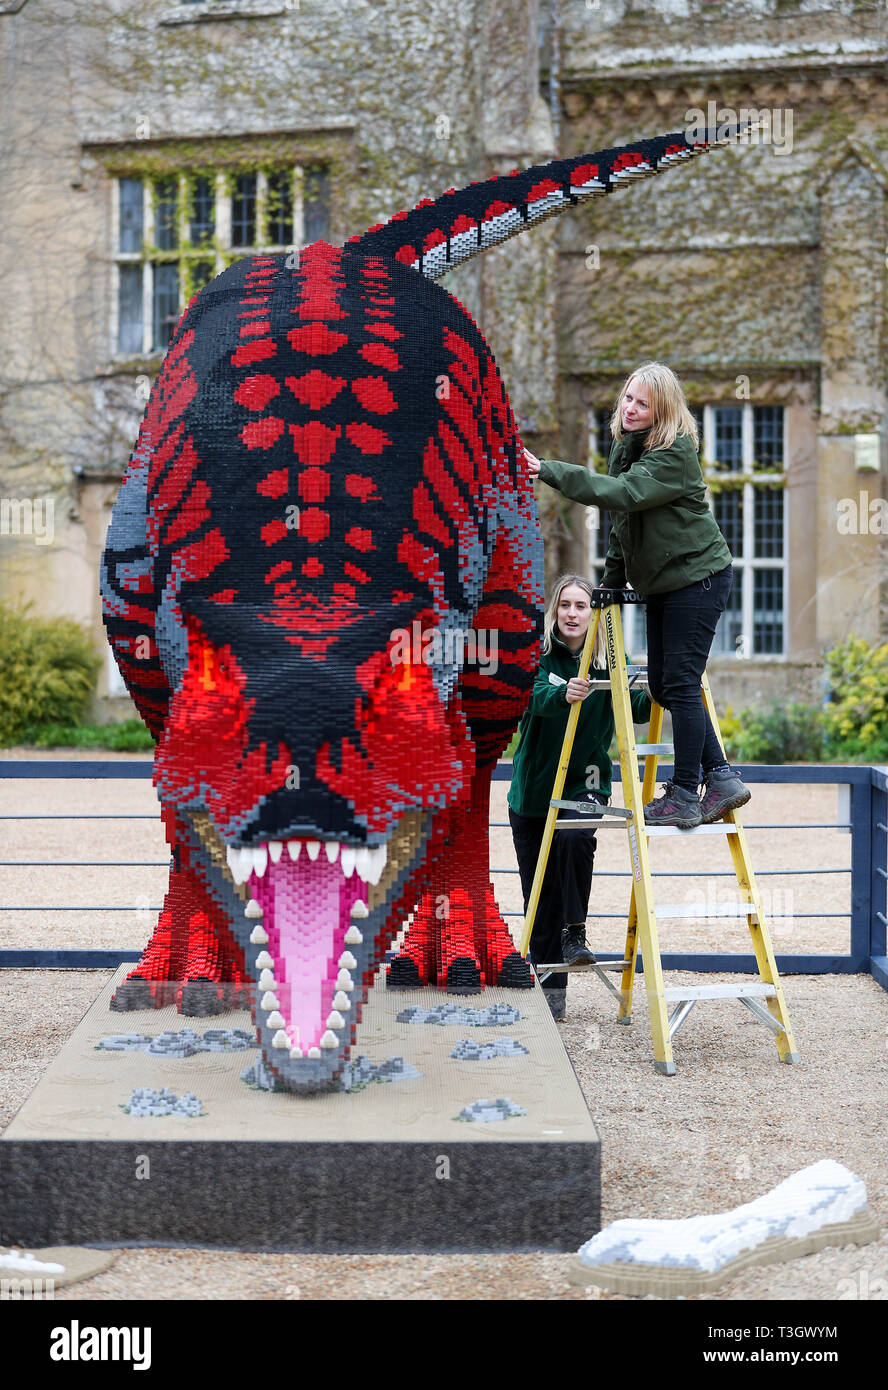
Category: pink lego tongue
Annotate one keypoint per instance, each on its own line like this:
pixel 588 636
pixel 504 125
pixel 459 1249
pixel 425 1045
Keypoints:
pixel 306 911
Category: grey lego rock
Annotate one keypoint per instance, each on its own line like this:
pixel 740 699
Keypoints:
pixel 467 1051
pixel 181 1043
pixel 451 1015
pixel 146 1101
pixel 490 1111
pixel 361 1072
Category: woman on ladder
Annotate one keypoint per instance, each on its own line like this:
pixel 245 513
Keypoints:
pixel 559 930
pixel 666 542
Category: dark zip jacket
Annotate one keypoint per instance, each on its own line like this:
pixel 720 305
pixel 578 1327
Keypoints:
pixel 663 535
pixel 542 735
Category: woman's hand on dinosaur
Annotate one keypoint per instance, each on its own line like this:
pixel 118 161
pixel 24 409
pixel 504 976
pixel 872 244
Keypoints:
pixel 533 463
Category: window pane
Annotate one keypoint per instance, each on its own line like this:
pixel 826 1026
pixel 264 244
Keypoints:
pixel 730 624
pixel 202 221
pixel 280 208
pixel 729 437
pixel 767 442
pixel 129 309
pixel 768 523
pixel 243 211
pixel 131 220
pixel 166 304
pixel 767 613
pixel 201 274
pixel 316 212
pixel 599 524
pixel 728 510
pixel 603 436
pixel 166 233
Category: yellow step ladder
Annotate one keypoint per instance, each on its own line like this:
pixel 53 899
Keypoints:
pixel 764 999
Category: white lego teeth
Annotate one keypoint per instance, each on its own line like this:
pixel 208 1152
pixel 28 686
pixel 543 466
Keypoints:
pixel 259 936
pixel 341 1001
pixel 280 1039
pixel 344 981
pixel 267 980
pixel 353 937
pixel 240 862
pixel 243 862
pixel 335 1020
pixel 269 1001
pixel 378 861
pixel 253 909
pixel 329 1040
pixel 370 863
pixel 275 1020
pixel 359 908
pixel 264 961
pixel 296 1052
pixel 347 961
pixel 314 1053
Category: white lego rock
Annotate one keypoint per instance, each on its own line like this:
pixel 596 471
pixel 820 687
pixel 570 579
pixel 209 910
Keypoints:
pixel 823 1194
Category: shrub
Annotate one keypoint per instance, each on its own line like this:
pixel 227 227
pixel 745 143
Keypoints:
pixel 856 714
pixel 48 670
pixel 129 736
pixel 782 733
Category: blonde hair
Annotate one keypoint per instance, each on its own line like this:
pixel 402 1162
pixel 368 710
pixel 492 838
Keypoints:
pixel 669 409
pixel 550 622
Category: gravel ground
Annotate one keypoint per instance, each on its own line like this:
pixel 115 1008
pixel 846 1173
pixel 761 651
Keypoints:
pixel 728 1126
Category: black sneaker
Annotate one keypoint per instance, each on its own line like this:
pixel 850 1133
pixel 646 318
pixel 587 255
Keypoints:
pixel 724 792
pixel 573 946
pixel 676 806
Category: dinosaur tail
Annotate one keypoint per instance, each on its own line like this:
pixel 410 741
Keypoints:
pixel 440 233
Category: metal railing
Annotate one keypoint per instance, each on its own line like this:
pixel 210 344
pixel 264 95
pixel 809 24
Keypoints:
pixel 867 799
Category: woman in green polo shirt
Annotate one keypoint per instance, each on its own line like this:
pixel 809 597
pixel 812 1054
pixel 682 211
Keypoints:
pixel 667 544
pixel 559 930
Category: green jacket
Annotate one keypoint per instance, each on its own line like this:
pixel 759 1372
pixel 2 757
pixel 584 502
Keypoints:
pixel 542 735
pixel 663 535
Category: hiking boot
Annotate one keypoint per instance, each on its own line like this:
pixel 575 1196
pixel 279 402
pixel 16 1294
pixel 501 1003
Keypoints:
pixel 724 792
pixel 557 1001
pixel 573 946
pixel 676 806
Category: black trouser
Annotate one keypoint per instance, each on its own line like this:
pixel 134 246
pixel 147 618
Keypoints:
pixel 564 899
pixel 680 630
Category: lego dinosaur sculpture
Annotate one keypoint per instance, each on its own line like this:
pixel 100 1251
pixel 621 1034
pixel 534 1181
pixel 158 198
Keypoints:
pixel 324 520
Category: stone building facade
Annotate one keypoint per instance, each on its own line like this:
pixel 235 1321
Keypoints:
pixel 144 147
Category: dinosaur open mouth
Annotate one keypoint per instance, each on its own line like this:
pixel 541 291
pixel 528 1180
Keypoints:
pixel 309 898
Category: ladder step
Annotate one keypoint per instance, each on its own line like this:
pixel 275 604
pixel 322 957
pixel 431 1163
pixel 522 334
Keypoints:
pixel 646 749
pixel 597 823
pixel 734 909
pixel 559 966
pixel 719 827
pixel 745 991
pixel 635 684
